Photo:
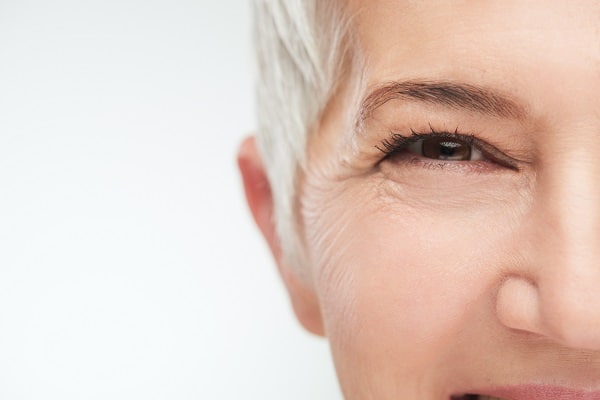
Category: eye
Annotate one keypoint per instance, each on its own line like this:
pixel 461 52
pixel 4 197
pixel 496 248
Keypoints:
pixel 445 148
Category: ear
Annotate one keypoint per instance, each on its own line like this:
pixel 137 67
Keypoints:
pixel 260 201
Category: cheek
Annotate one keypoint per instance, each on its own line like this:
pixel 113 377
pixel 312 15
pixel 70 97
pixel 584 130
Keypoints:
pixel 397 279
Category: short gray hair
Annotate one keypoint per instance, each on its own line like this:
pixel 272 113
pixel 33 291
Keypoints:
pixel 302 47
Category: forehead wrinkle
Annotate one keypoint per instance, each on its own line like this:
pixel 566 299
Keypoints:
pixel 461 96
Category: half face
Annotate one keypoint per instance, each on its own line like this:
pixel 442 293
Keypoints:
pixel 453 217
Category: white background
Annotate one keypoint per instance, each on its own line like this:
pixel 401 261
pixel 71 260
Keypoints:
pixel 129 266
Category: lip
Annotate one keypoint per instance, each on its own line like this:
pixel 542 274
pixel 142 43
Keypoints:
pixel 538 392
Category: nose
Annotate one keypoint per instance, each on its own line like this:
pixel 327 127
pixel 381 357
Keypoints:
pixel 557 294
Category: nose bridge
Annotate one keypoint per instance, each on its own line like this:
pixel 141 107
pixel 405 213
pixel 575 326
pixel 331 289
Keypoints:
pixel 568 246
pixel 570 197
pixel 571 193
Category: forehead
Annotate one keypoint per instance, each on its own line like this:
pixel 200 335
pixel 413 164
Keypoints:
pixel 435 34
pixel 536 50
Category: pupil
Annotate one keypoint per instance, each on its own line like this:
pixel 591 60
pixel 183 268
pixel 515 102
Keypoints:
pixel 445 149
pixel 448 148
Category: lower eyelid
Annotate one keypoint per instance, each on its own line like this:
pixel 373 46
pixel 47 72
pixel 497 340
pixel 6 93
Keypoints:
pixel 476 166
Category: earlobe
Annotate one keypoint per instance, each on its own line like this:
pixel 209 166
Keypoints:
pixel 260 200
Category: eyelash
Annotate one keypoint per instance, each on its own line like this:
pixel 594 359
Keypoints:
pixel 398 143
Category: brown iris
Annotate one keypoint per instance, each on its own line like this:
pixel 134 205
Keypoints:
pixel 446 149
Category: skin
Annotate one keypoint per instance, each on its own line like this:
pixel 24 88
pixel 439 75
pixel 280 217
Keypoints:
pixel 434 277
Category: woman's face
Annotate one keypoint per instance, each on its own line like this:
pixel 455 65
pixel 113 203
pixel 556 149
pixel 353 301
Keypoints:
pixel 451 209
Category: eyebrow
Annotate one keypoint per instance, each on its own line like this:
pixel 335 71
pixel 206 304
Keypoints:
pixel 454 95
